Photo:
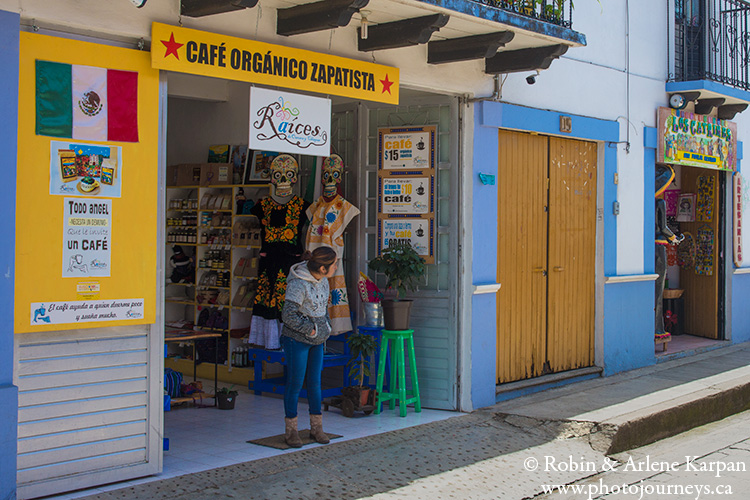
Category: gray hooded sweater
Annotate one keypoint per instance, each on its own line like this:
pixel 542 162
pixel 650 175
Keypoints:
pixel 305 306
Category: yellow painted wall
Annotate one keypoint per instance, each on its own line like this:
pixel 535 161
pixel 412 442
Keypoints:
pixel 39 215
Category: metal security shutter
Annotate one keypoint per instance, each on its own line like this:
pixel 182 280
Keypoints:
pixel 434 312
pixel 86 415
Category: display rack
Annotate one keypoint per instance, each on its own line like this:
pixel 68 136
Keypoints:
pixel 224 246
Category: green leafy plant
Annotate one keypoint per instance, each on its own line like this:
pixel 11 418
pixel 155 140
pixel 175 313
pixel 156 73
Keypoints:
pixel 402 266
pixel 228 392
pixel 362 348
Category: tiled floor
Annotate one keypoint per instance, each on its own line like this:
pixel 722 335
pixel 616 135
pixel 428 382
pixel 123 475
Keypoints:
pixel 685 342
pixel 207 438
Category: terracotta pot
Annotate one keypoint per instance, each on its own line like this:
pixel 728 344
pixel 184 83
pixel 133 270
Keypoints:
pixel 396 314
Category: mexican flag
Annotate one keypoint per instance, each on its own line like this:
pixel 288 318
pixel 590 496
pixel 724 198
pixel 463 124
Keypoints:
pixel 86 102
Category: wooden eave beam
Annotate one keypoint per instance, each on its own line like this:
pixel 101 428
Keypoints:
pixel 728 111
pixel 705 106
pixel 200 8
pixel 467 48
pixel 404 33
pixel 514 61
pixel 316 16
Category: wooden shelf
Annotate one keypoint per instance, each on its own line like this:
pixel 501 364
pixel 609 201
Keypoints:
pixel 182 284
pixel 183 187
pixel 183 244
pixel 179 302
pixel 214 286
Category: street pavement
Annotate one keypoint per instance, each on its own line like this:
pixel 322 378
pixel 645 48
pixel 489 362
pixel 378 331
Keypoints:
pixel 569 436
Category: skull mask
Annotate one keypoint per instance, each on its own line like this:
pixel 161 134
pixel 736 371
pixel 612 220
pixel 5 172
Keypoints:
pixel 284 171
pixel 333 169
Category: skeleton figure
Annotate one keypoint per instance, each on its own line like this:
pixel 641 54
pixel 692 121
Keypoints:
pixel 284 172
pixel 333 168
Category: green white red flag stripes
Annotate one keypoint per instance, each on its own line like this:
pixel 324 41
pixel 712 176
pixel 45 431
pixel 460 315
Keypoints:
pixel 86 102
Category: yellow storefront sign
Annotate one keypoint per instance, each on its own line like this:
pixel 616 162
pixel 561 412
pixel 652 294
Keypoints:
pixel 211 54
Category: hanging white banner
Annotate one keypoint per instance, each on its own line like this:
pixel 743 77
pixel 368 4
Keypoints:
pixel 289 123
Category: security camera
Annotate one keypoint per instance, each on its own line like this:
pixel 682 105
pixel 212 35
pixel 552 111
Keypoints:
pixel 531 79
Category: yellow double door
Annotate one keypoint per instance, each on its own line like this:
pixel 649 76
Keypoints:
pixel 546 255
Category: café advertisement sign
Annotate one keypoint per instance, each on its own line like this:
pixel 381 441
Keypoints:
pixel 289 123
pixel 407 148
pixel 696 140
pixel 185 50
pixel 406 195
pixel 418 232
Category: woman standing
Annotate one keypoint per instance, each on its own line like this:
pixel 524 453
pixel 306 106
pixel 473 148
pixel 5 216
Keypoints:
pixel 306 328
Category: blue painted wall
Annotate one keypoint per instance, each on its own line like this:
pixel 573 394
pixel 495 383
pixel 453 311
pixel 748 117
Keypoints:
pixel 740 310
pixel 628 326
pixel 484 265
pixel 9 30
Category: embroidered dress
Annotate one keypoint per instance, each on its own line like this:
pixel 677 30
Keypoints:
pixel 328 220
pixel 282 246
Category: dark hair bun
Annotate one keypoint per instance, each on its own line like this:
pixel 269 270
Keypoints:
pixel 307 255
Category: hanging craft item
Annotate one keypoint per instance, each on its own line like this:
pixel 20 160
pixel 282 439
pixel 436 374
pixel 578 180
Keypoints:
pixel 671 255
pixel 671 196
pixel 686 251
pixel 704 251
pixel 705 202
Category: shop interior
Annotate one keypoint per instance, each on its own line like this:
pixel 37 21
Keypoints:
pixel 212 258
pixel 693 301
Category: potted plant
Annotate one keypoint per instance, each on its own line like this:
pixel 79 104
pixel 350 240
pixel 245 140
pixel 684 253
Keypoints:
pixel 225 398
pixel 403 267
pixel 361 347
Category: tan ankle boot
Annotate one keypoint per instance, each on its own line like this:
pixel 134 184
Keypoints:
pixel 316 429
pixel 291 436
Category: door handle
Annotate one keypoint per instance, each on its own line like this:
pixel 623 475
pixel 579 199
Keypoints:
pixel 540 270
pixel 558 269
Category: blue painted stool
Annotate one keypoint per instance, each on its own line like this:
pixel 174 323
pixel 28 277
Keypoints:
pixel 397 388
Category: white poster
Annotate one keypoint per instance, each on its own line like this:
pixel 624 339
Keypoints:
pixel 289 123
pixel 87 238
pixel 406 195
pixel 407 149
pixel 418 232
pixel 82 311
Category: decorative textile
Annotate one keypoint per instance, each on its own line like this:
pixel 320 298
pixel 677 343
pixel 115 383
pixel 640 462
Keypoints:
pixel 704 251
pixel 705 204
pixel 86 102
pixel 280 249
pixel 265 332
pixel 686 251
pixel 328 220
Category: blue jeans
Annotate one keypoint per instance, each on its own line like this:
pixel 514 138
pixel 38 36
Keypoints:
pixel 302 359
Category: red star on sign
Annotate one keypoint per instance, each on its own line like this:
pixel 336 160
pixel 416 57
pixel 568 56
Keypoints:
pixel 386 85
pixel 172 46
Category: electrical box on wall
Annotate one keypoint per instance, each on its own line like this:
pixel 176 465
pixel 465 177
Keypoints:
pixel 616 208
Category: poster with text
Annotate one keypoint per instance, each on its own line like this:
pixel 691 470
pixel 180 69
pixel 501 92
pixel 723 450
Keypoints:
pixel 407 148
pixel 83 169
pixel 85 311
pixel 406 195
pixel 420 233
pixel 87 238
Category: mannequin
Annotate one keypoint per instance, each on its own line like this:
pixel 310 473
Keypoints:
pixel 329 216
pixel 282 216
pixel 664 236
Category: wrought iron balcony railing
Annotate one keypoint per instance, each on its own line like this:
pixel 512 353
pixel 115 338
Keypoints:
pixel 558 12
pixel 712 41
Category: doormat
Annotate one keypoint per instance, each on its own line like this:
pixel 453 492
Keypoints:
pixel 279 443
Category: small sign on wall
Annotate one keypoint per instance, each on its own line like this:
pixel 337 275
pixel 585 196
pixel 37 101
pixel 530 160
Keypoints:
pixel 737 195
pixel 420 233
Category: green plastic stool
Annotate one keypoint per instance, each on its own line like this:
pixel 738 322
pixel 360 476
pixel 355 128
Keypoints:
pixel 398 372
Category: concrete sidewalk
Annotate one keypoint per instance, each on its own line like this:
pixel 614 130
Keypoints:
pixel 587 420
